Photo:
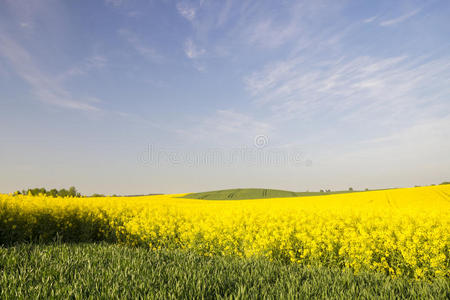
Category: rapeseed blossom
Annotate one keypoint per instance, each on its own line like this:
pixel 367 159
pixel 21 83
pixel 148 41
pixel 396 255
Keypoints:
pixel 401 232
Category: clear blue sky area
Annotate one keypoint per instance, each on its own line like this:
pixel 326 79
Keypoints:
pixel 129 97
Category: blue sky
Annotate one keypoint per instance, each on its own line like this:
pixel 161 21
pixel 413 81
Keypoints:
pixel 129 97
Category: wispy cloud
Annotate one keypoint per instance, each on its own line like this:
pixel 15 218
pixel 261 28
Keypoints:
pixel 237 25
pixel 134 14
pixel 267 34
pixel 26 25
pixel 191 50
pixel 138 45
pixel 434 137
pixel 226 127
pixel 370 20
pixel 299 23
pixel 45 88
pixel 360 86
pixel 400 19
pixel 322 71
pixel 84 67
pixel 186 10
pixel 224 13
pixel 114 2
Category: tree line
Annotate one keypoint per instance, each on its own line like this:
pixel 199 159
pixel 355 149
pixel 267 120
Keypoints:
pixel 71 192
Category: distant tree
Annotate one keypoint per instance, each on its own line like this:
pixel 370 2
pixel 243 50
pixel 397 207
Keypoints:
pixel 35 191
pixel 97 195
pixel 52 193
pixel 321 191
pixel 63 193
pixel 445 182
pixel 350 189
pixel 72 191
pixel 367 189
pixel 328 191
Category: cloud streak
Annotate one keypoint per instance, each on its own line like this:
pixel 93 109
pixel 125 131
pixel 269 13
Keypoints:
pixel 91 63
pixel 186 10
pixel 138 45
pixel 401 18
pixel 370 20
pixel 355 88
pixel 115 3
pixel 45 88
pixel 191 50
pixel 226 127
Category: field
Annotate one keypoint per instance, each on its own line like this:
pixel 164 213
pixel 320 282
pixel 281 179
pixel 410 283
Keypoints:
pixel 82 271
pixel 242 194
pixel 397 240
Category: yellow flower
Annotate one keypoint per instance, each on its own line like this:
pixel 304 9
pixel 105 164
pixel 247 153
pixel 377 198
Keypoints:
pixel 400 231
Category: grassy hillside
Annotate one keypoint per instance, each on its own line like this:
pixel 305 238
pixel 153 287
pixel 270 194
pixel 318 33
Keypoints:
pixel 240 194
pixel 235 194
pixel 82 271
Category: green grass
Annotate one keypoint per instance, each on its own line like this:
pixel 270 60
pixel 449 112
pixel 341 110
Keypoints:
pixel 235 194
pixel 83 271
pixel 241 194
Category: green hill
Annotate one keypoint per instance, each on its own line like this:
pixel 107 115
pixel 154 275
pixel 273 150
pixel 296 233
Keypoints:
pixel 253 193
pixel 236 194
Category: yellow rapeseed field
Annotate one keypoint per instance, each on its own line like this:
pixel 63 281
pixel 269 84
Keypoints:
pixel 400 231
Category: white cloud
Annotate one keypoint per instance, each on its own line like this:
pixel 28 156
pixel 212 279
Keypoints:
pixel 387 115
pixel 45 88
pixel 134 14
pixel 229 121
pixel 138 45
pixel 428 131
pixel 422 146
pixel 191 50
pixel 365 85
pixel 370 20
pixel 416 154
pixel 26 25
pixel 224 13
pixel 401 18
pixel 267 34
pixel 114 2
pixel 364 92
pixel 299 23
pixel 186 10
pixel 87 65
pixel 28 15
pixel 199 66
pixel 225 128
